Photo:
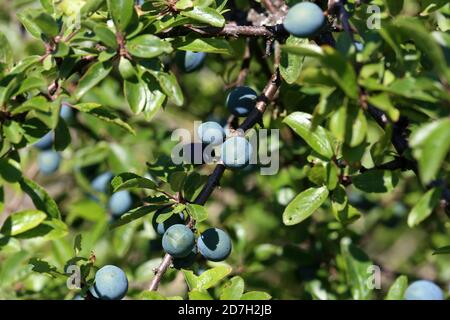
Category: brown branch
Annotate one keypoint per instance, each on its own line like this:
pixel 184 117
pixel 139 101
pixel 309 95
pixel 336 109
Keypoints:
pixel 229 30
pixel 267 96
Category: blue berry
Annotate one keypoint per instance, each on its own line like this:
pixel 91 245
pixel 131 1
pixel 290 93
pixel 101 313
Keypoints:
pixel 236 152
pixel 190 61
pixel 423 290
pixel 211 133
pixel 214 244
pixel 304 20
pixel 162 227
pixel 66 113
pixel 178 241
pixel 111 283
pixel 46 142
pixel 101 182
pixel 120 203
pixel 49 161
pixel 241 100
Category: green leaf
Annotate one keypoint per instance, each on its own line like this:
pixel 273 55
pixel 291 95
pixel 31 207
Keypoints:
pixel 38 103
pixel 95 74
pixel 316 138
pixel 442 250
pixel 219 46
pixel 164 215
pixel 199 295
pixel 397 289
pixel 211 277
pixel 47 24
pixel 291 64
pixel 256 295
pixel 121 12
pixel 197 212
pixel 424 207
pixel 86 209
pixel 148 46
pixel 304 49
pixel 13 131
pixel 106 36
pixel 40 198
pixel 376 181
pixel 383 102
pixel 31 83
pixel 6 54
pixel 206 15
pixel 136 94
pixel 348 124
pixel 413 29
pixel 151 295
pixel 170 86
pixel 394 6
pixel 233 290
pixel 341 70
pixel 22 221
pixel 431 144
pixel 191 279
pixel 104 114
pixel 128 180
pixel 304 205
pixel 90 7
pixel 62 136
pixel 357 270
pixel 134 214
pixel 30 25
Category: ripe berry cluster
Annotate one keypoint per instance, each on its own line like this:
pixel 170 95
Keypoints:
pixel 180 242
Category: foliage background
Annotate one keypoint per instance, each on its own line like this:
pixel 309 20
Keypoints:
pixel 310 260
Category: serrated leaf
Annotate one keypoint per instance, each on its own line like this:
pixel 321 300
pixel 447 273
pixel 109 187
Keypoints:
pixel 40 198
pixel 95 74
pixel 191 279
pixel 103 113
pixel 22 221
pixel 169 84
pixel 197 212
pixel 148 46
pixel 128 180
pixel 316 138
pixel 233 290
pixel 206 15
pixel 219 46
pixel 121 12
pixel 304 205
pixel 136 94
pixel 211 277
